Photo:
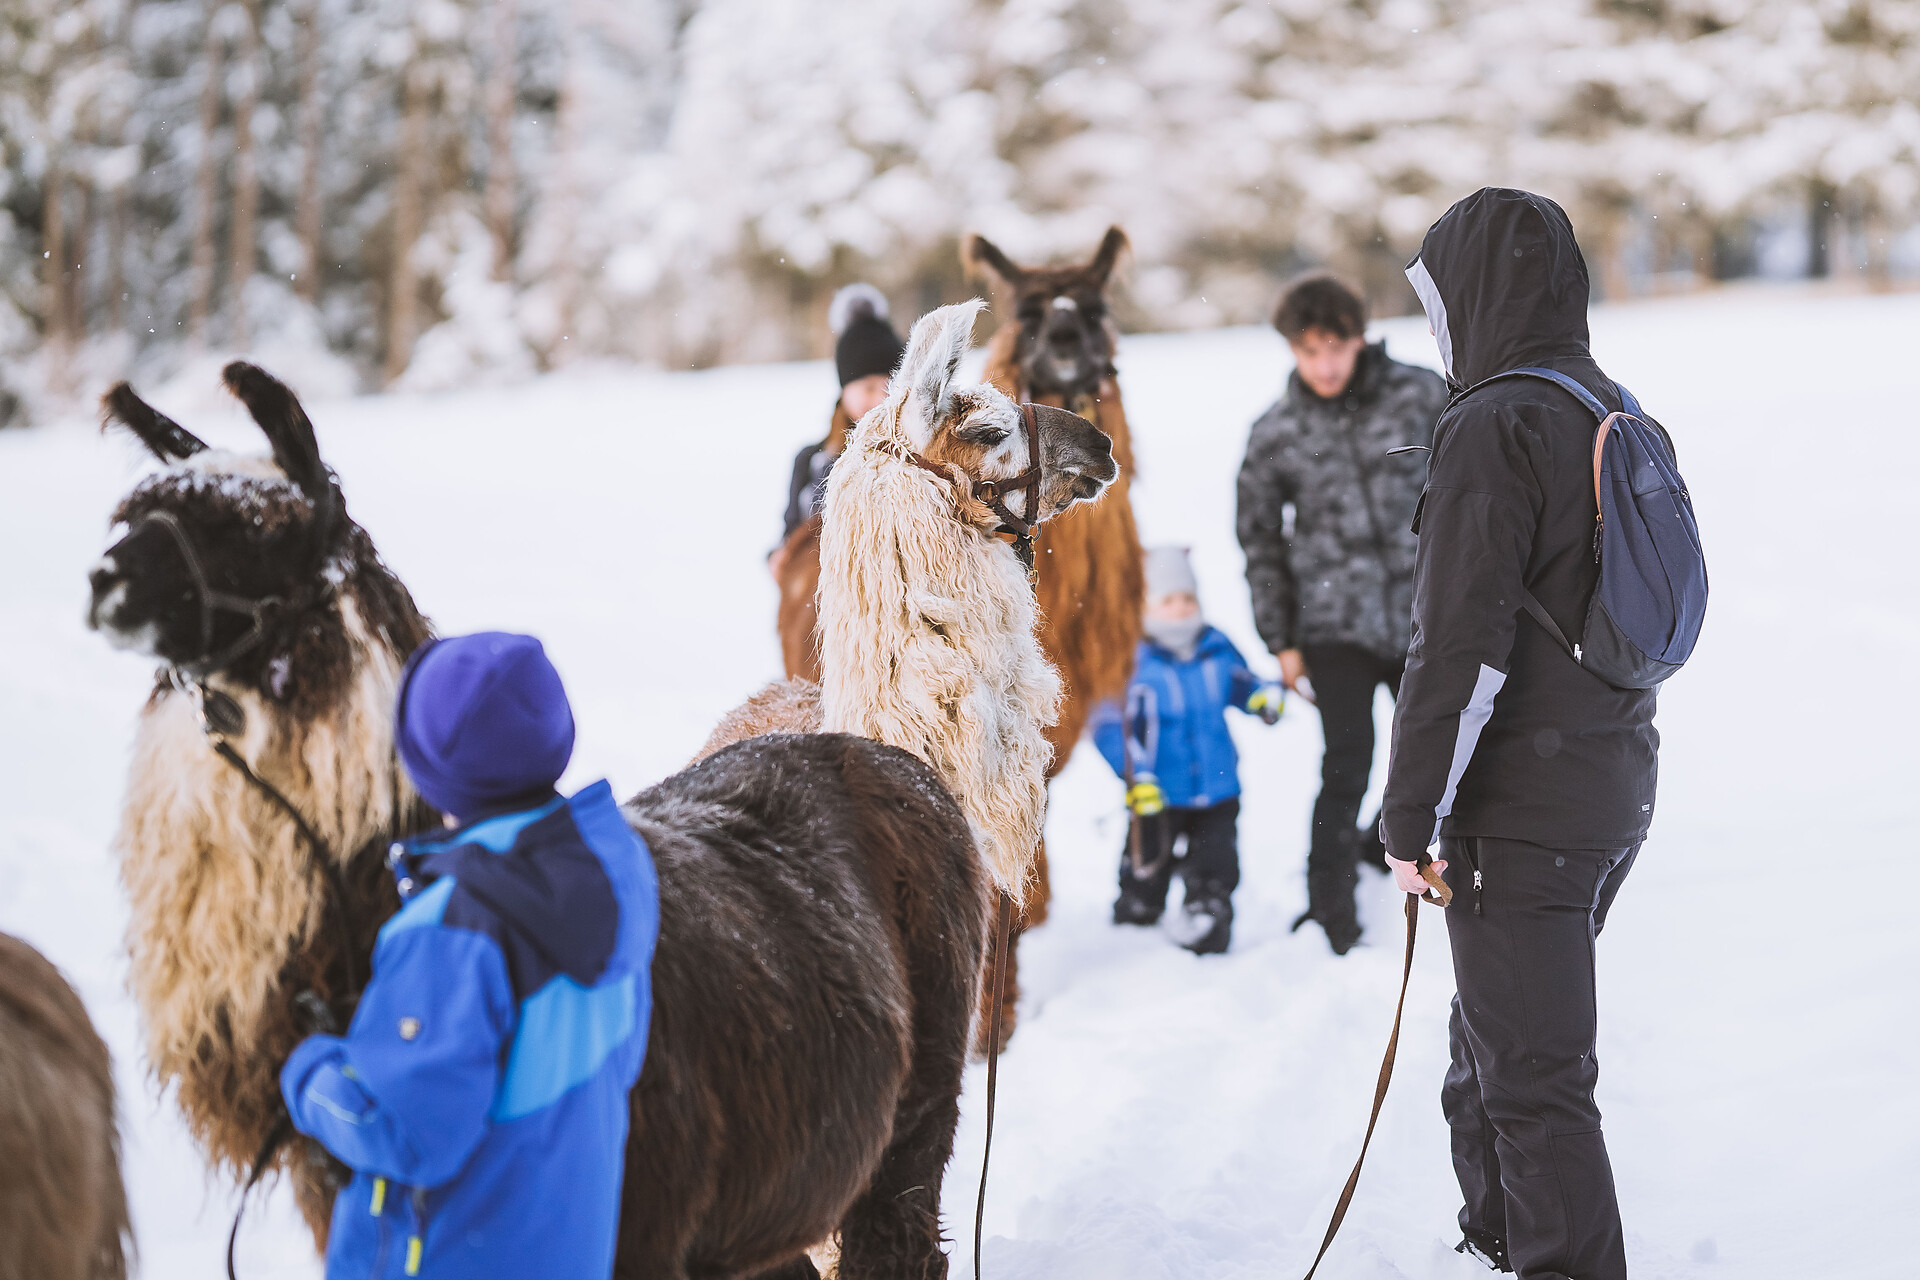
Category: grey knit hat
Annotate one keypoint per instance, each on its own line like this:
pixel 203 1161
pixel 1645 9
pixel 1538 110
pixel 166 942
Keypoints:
pixel 1169 572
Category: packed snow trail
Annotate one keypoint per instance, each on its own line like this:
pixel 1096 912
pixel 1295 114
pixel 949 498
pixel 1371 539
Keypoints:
pixel 1162 1115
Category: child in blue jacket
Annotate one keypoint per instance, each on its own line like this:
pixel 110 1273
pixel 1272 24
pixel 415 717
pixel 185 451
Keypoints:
pixel 480 1095
pixel 1171 744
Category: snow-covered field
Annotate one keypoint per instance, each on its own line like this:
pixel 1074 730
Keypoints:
pixel 1162 1115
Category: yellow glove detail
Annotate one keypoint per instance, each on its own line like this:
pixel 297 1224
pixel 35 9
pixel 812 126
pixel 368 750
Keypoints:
pixel 1268 702
pixel 1146 798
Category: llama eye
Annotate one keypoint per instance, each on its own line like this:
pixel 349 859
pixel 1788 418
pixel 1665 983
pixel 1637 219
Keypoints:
pixel 991 436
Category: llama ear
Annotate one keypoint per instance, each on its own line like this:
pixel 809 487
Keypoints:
pixel 935 347
pixel 165 439
pixel 290 432
pixel 982 252
pixel 1111 246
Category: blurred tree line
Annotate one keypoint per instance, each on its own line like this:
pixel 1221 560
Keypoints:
pixel 426 193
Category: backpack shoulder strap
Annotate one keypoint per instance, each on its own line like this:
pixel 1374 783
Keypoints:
pixel 1604 417
pixel 1538 612
pixel 1561 380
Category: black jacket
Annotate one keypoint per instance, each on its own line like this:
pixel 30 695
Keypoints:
pixel 1497 731
pixel 808 485
pixel 1343 572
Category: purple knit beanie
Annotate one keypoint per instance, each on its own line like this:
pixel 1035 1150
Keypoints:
pixel 482 721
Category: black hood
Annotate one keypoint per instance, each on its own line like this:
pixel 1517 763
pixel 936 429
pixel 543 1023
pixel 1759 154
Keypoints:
pixel 1504 285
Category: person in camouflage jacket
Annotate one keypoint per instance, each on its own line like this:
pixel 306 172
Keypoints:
pixel 1324 519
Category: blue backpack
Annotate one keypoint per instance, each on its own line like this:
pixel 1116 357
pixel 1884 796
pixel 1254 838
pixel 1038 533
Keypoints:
pixel 1647 608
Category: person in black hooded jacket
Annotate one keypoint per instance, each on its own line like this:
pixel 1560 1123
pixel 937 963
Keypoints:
pixel 1526 780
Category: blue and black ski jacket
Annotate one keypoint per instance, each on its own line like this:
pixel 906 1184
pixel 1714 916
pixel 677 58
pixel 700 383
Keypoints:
pixel 1174 724
pixel 480 1095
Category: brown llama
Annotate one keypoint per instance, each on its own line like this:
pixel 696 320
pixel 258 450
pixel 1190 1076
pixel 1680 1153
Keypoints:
pixel 1060 352
pixel 63 1207
pixel 822 906
pixel 927 618
pixel 797 573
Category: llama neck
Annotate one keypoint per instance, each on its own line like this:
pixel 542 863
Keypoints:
pixel 225 900
pixel 927 643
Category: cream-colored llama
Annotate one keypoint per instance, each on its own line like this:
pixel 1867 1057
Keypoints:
pixel 927 618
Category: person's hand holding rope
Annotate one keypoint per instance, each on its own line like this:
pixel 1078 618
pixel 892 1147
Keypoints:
pixel 1422 879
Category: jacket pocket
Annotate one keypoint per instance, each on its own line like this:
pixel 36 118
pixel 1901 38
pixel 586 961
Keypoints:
pixel 1470 846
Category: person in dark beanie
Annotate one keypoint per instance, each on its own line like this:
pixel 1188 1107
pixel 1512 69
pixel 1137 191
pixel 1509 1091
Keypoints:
pixel 1526 780
pixel 1171 745
pixel 480 1094
pixel 866 351
pixel 1324 510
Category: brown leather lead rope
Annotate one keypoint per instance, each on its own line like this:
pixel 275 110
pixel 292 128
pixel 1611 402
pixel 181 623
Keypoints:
pixel 1137 859
pixel 1445 896
pixel 1001 932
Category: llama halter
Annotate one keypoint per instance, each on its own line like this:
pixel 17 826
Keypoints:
pixel 212 601
pixel 994 492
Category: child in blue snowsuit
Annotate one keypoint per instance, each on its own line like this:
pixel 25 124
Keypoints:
pixel 1171 743
pixel 480 1095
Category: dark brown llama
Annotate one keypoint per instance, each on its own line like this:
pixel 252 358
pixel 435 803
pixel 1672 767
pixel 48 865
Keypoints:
pixel 63 1208
pixel 1060 352
pixel 823 908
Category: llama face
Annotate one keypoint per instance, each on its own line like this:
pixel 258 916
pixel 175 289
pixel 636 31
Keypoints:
pixel 1077 460
pixel 985 441
pixel 978 428
pixel 1066 345
pixel 217 525
pixel 245 567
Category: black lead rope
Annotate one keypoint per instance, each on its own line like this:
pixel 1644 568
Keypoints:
pixel 276 1136
pixel 993 1063
pixel 318 855
pixel 221 716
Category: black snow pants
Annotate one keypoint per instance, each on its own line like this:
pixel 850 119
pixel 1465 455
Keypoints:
pixel 1210 863
pixel 1527 1146
pixel 1344 677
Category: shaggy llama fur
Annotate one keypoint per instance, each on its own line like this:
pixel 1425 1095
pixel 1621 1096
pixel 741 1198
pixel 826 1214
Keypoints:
pixel 927 618
pixel 927 641
pixel 221 885
pixel 822 908
pixel 63 1207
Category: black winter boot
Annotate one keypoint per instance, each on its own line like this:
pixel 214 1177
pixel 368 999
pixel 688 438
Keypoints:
pixel 1491 1250
pixel 1331 876
pixel 1135 907
pixel 1205 923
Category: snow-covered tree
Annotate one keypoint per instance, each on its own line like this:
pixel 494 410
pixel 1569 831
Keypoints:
pixel 438 191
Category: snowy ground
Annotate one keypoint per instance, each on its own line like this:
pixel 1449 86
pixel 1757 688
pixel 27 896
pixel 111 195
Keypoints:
pixel 1162 1115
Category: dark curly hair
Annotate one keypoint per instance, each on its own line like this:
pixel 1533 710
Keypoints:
pixel 1320 301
